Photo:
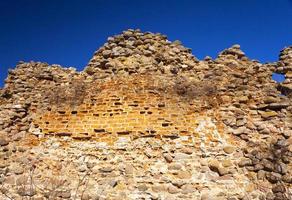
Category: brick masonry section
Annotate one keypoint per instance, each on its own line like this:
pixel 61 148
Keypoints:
pixel 133 108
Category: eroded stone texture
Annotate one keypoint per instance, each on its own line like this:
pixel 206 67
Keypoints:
pixel 147 120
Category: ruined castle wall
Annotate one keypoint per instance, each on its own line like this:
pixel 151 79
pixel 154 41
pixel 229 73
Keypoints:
pixel 135 108
pixel 147 120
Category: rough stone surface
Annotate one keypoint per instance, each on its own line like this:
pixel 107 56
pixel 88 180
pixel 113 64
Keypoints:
pixel 147 120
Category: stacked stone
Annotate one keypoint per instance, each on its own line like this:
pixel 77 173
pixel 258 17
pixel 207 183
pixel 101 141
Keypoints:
pixel 240 146
pixel 14 121
pixel 285 60
pixel 271 163
pixel 285 67
pixel 137 52
pixel 25 91
pixel 262 118
pixel 28 80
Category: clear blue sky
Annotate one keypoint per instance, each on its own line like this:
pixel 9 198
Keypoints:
pixel 67 32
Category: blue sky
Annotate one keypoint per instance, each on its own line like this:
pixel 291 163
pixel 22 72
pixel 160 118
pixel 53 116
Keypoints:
pixel 67 32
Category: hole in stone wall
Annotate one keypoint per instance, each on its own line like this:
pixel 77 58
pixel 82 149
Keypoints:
pixel 99 130
pixel 114 98
pixel 133 105
pixel 165 124
pixel 278 77
pixel 148 136
pixel 63 134
pixel 82 136
pixel 123 133
pixel 173 137
pixel 74 112
pixel 62 112
pixel 161 105
pixel 183 132
pixel 150 131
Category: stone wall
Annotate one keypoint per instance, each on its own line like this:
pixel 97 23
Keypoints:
pixel 127 106
pixel 147 120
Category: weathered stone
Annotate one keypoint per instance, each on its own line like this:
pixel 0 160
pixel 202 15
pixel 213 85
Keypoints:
pixel 26 191
pixel 229 149
pixel 280 196
pixel 168 158
pixel 261 174
pixel 175 166
pixel 184 175
pixel 240 130
pixel 64 194
pixel 129 169
pixel 180 156
pixel 106 53
pixel 243 99
pixel 18 170
pixel 113 183
pixel 106 169
pixel 159 188
pixel 280 168
pixel 223 171
pixel 244 162
pixel 208 196
pixel 172 189
pixel 268 114
pixel 3 142
pixel 178 183
pixel 268 165
pixel 95 169
pixel 277 106
pixel 188 189
pixel 273 177
pixel 143 187
pixel 279 188
pixel 270 99
pixel 258 167
pixel 287 178
pixel 188 151
pixel 214 165
pixel 82 168
pixel 227 163
pixel 147 120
